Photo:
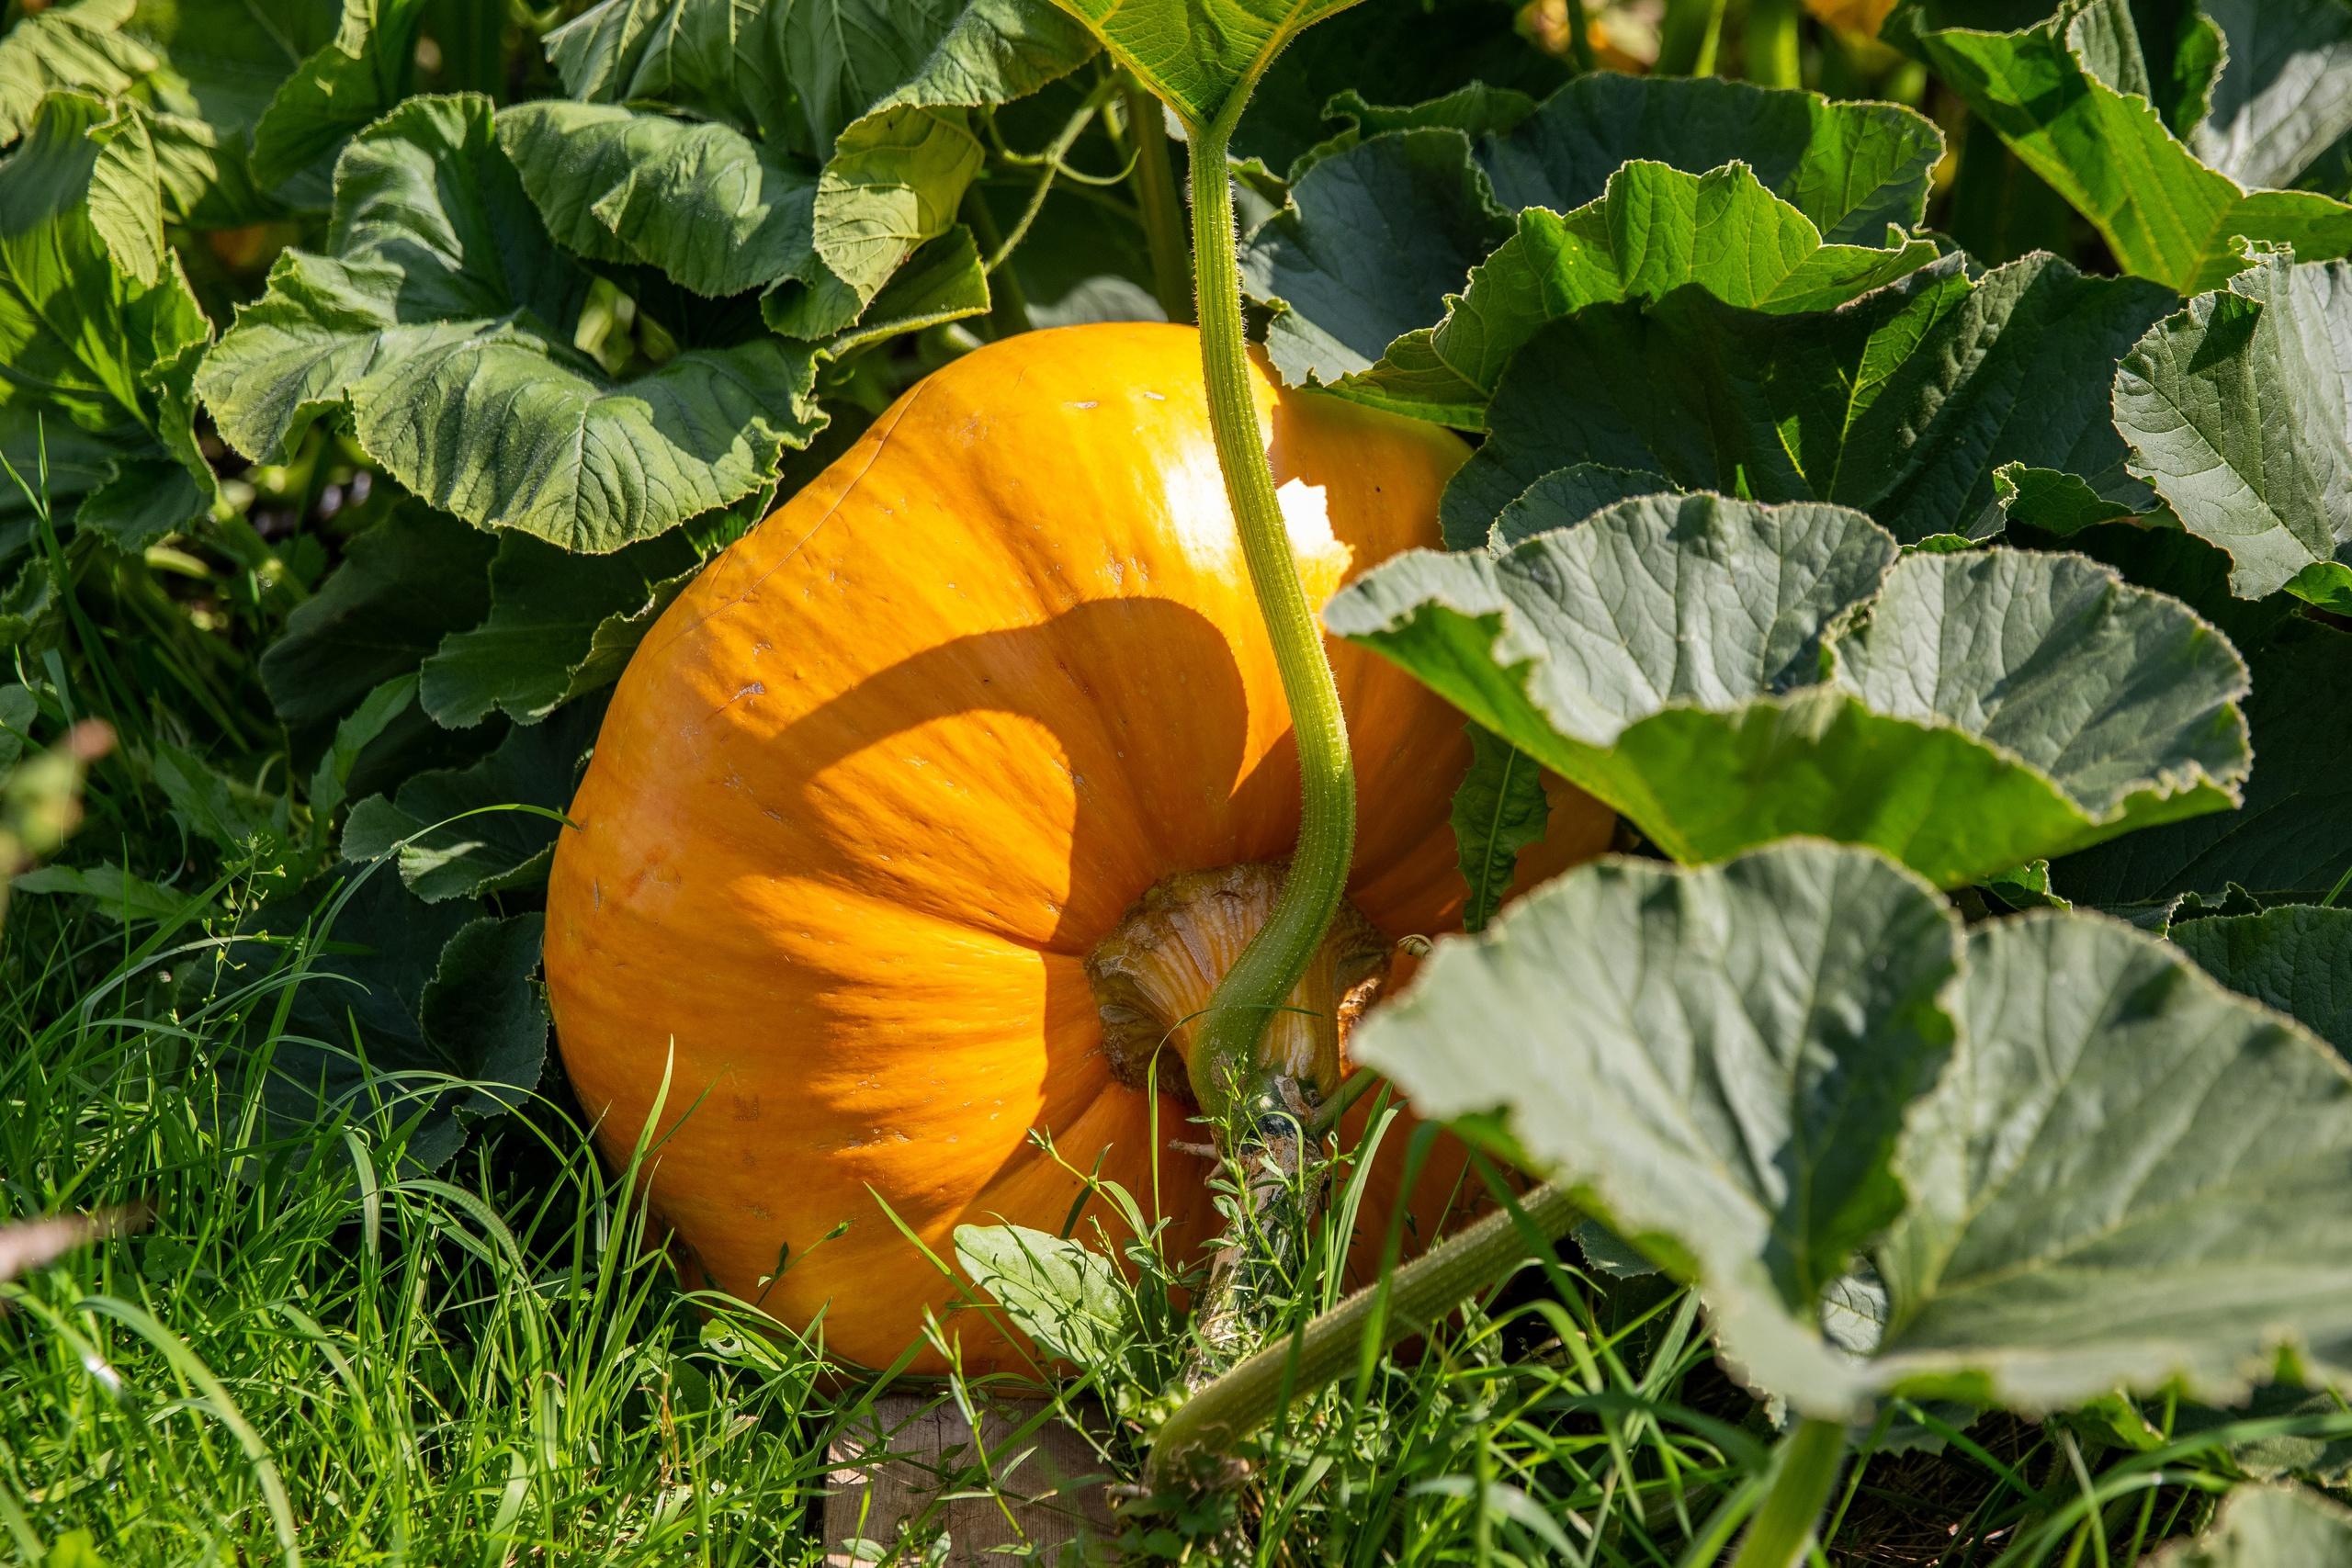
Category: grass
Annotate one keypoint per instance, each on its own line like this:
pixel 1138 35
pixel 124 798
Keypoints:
pixel 320 1353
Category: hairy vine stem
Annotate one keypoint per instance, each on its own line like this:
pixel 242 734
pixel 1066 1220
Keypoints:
pixel 1155 180
pixel 1805 1470
pixel 1406 1303
pixel 1261 978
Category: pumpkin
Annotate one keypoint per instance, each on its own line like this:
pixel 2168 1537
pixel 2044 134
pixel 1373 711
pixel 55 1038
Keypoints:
pixel 974 745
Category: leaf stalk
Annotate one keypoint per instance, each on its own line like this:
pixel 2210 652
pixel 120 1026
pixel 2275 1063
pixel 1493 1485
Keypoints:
pixel 1153 174
pixel 1804 1470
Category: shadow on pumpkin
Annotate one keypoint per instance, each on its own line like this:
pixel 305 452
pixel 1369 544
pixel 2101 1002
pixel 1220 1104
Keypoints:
pixel 1144 710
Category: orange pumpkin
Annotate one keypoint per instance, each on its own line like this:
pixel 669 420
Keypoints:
pixel 886 776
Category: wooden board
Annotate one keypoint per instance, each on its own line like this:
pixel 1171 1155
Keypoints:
pixel 1049 1495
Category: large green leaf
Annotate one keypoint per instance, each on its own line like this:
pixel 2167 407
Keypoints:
pixel 2297 958
pixel 1706 666
pixel 1193 54
pixel 2070 97
pixel 1656 230
pixel 1853 169
pixel 709 205
pixel 825 143
pixel 394 999
pixel 2284 96
pixel 2236 413
pixel 94 366
pixel 76 47
pixel 441 319
pixel 2291 839
pixel 336 89
pixel 2267 1527
pixel 404 585
pixel 2131 1176
pixel 1718 1062
pixel 1903 404
pixel 1806 166
pixel 482 1013
pixel 2075 1162
pixel 463 832
pixel 559 625
pixel 1373 237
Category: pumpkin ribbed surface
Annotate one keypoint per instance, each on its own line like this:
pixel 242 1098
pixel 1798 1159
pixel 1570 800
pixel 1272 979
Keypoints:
pixel 879 780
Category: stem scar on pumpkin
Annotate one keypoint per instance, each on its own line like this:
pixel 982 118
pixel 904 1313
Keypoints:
pixel 1156 974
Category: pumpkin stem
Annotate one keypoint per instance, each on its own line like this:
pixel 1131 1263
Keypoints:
pixel 1247 998
pixel 1156 975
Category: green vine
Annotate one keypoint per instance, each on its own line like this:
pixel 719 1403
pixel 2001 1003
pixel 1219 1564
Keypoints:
pixel 1406 1303
pixel 1263 978
pixel 1803 1472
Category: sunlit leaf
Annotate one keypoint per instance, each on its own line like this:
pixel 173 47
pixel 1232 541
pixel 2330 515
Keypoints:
pixel 441 320
pixel 1193 54
pixel 94 366
pixel 1655 231
pixel 2075 1161
pixel 76 46
pixel 2236 413
pixel 1725 674
pixel 2071 97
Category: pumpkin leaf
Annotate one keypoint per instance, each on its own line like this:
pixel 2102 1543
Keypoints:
pixel 1194 55
pixel 2296 958
pixel 1852 170
pixel 2237 415
pixel 2063 505
pixel 1067 1297
pixel 1372 236
pixel 1499 810
pixel 2074 1162
pixel 2258 1525
pixel 94 407
pixel 376 963
pixel 708 204
pixel 2070 95
pixel 405 584
pixel 1717 1063
pixel 1567 496
pixel 1903 404
pixel 2173 1214
pixel 1465 63
pixel 377 712
pixel 2284 93
pixel 2292 839
pixel 483 1012
pixel 822 144
pixel 77 47
pixel 1725 674
pixel 559 625
pixel 441 321
pixel 335 91
pixel 463 832
pixel 1654 231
